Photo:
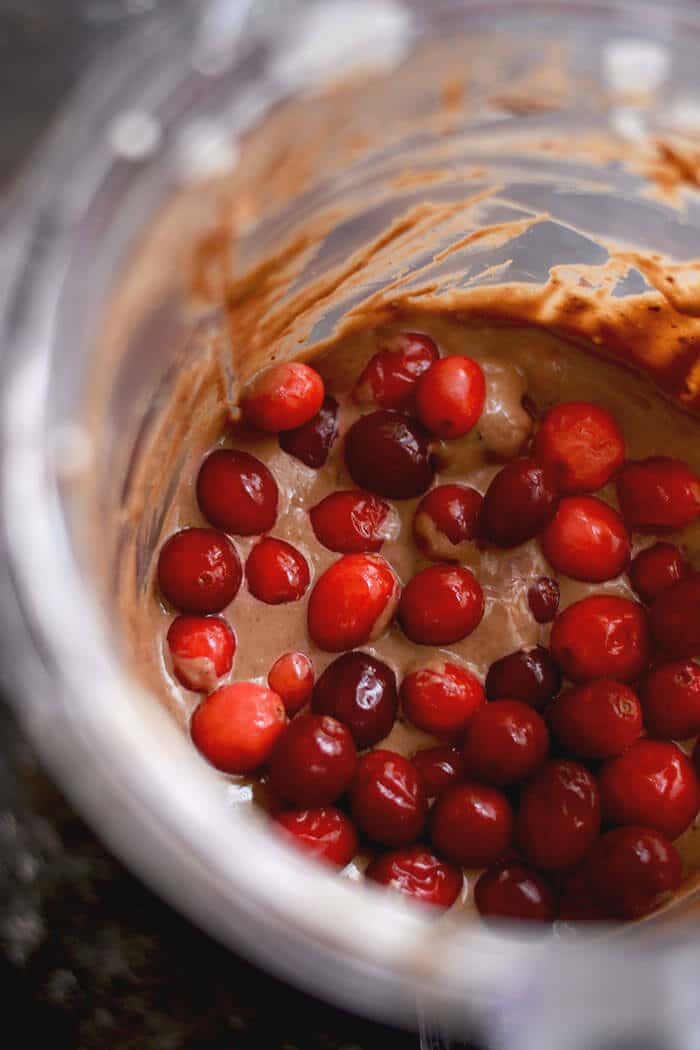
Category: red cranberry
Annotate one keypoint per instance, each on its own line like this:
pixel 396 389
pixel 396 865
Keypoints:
pixel 519 502
pixel 505 742
pixel 313 762
pixel 587 540
pixel 559 815
pixel 696 757
pixel 387 798
pixel 576 903
pixel 631 871
pixel 597 720
pixel 530 675
pixel 656 569
pixel 439 766
pixel 352 602
pixel 658 493
pixel 514 891
pixel 441 605
pixel 325 833
pixel 237 493
pixel 419 874
pixel 292 678
pixel 442 698
pixel 471 824
pixel 237 726
pixel 359 691
pixel 602 636
pixel 671 700
pixel 276 572
pixel 653 784
pixel 312 442
pixel 446 519
pixel 283 397
pixel 199 571
pixel 201 650
pixel 389 454
pixel 350 522
pixel 582 443
pixel 675 618
pixel 450 396
pixel 389 378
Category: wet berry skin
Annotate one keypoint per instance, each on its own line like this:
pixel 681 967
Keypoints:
pixel 656 569
pixel 674 618
pixel 658 493
pixel 292 678
pixel 559 815
pixel 471 824
pixel 389 378
pixel 441 698
pixel 439 766
pixel 283 397
pixel 514 891
pixel 350 522
pixel 312 442
pixel 631 871
pixel 598 719
pixel 325 833
pixel 237 493
pixel 450 397
pixel 389 454
pixel 530 675
pixel 352 602
pixel 199 571
pixel 237 726
pixel 201 650
pixel 505 742
pixel 416 872
pixel 586 540
pixel 601 636
pixel 360 691
pixel 313 762
pixel 543 599
pixel 582 444
pixel 519 502
pixel 276 572
pixel 671 700
pixel 446 521
pixel 387 798
pixel 441 605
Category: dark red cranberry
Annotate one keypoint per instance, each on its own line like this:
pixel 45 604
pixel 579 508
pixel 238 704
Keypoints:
pixel 587 540
pixel 446 519
pixel 530 675
pixel 514 891
pixel 441 698
pixel 313 761
pixel 201 649
pixel 276 572
pixel 389 454
pixel 671 700
pixel 471 824
pixel 597 720
pixel 657 568
pixel 350 522
pixel 602 636
pixel 283 397
pixel 576 901
pixel 658 493
pixel 325 833
pixel 441 605
pixel 519 502
pixel 312 442
pixel 631 871
pixel 675 618
pixel 543 599
pixel 199 571
pixel 389 378
pixel 237 493
pixel 292 678
pixel 505 742
pixel 352 602
pixel 439 766
pixel 237 726
pixel 387 798
pixel 359 691
pixel 450 396
pixel 559 815
pixel 582 444
pixel 419 874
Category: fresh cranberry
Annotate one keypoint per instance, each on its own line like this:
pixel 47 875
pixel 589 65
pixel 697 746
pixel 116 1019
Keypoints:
pixel 597 720
pixel 530 675
pixel 653 784
pixel 505 742
pixel 671 700
pixel 675 618
pixel 389 378
pixel 389 454
pixel 658 493
pixel 283 397
pixel 313 761
pixel 360 691
pixel 312 442
pixel 419 874
pixel 514 891
pixel 602 636
pixel 350 522
pixel 325 833
pixel 582 443
pixel 237 726
pixel 450 396
pixel 441 698
pixel 201 649
pixel 237 493
pixel 446 519
pixel 543 599
pixel 199 571
pixel 352 602
pixel 576 902
pixel 292 678
pixel 387 798
pixel 656 569
pixel 587 540
pixel 519 502
pixel 439 766
pixel 559 815
pixel 471 824
pixel 441 605
pixel 632 870
pixel 276 572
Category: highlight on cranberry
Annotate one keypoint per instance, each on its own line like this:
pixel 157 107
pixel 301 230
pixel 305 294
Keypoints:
pixel 387 798
pixel 352 602
pixel 598 719
pixel 360 691
pixel 658 493
pixel 201 651
pixel 326 834
pixel 543 599
pixel 199 571
pixel 439 767
pixel 631 871
pixel 582 444
pixel 441 605
pixel 506 741
pixel 586 540
pixel 351 522
pixel 530 675
pixel 237 726
pixel 446 521
pixel 418 873
pixel 441 698
pixel 313 762
pixel 312 442
pixel 471 824
pixel 602 636
pixel 450 396
pixel 292 678
pixel 514 891
pixel 519 502
pixel 389 378
pixel 657 568
pixel 237 493
pixel 559 816
pixel 283 397
pixel 389 454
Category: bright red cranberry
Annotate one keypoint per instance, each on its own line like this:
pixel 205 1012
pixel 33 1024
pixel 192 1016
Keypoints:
pixel 350 522
pixel 201 649
pixel 439 766
pixel 312 442
pixel 631 871
pixel 237 493
pixel 597 720
pixel 559 815
pixel 658 493
pixel 446 520
pixel 576 902
pixel 441 698
pixel 237 726
pixel 582 443
pixel 519 502
pixel 602 636
pixel 656 569
pixel 671 700
pixel 387 798
pixel 419 874
pixel 530 675
pixel 199 571
pixel 389 454
pixel 675 618
pixel 352 602
pixel 292 678
pixel 276 572
pixel 313 761
pixel 283 397
pixel 450 396
pixel 325 833
pixel 441 605
pixel 587 540
pixel 514 891
pixel 359 691
pixel 505 742
pixel 389 378
pixel 471 824
pixel 652 784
